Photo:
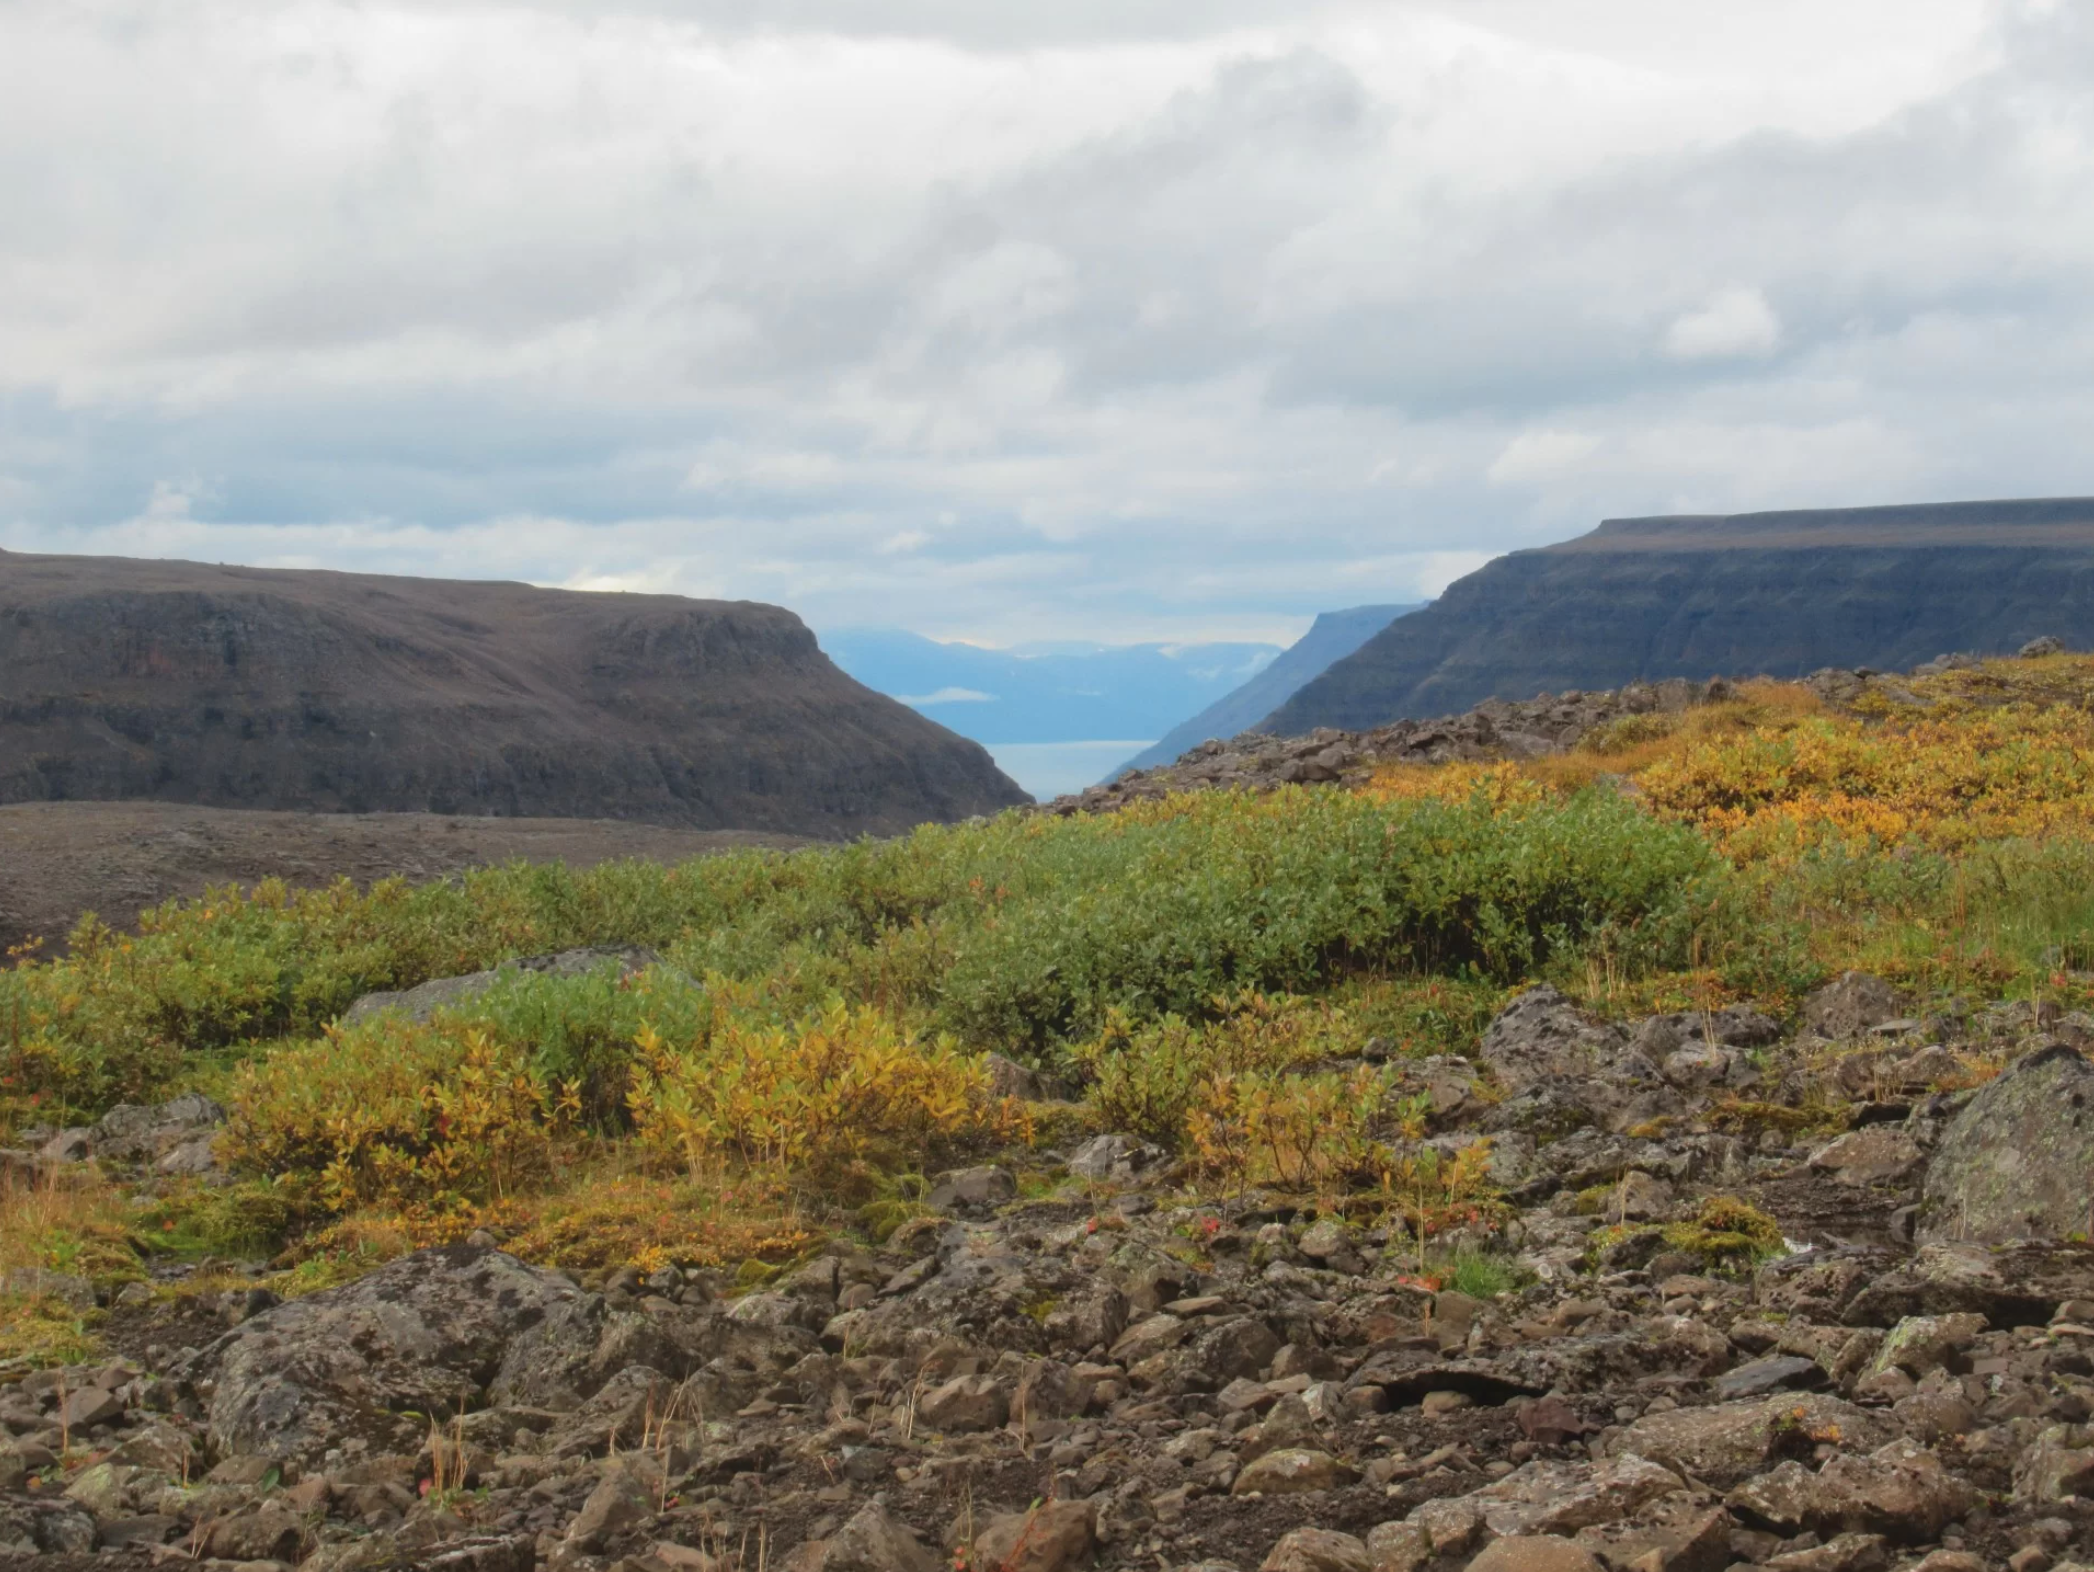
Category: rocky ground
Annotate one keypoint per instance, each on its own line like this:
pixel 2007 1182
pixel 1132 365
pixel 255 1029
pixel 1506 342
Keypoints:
pixel 1496 729
pixel 1121 1374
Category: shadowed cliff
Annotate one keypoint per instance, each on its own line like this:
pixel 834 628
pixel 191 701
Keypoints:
pixel 1775 593
pixel 257 688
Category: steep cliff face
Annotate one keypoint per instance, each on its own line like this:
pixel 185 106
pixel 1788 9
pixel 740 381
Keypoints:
pixel 1775 593
pixel 241 687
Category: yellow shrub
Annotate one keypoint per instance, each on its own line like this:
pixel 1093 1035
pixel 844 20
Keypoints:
pixel 1300 1132
pixel 400 1112
pixel 814 1097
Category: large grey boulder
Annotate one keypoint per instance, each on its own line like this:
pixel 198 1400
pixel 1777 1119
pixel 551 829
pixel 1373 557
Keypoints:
pixel 1543 1043
pixel 2018 1162
pixel 420 1003
pixel 1849 1006
pixel 425 1335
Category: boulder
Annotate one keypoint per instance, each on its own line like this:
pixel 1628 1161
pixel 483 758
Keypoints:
pixel 872 1541
pixel 1535 1555
pixel 2014 1164
pixel 1293 1471
pixel 173 1136
pixel 423 1001
pixel 2009 1285
pixel 1874 1154
pixel 1901 1491
pixel 968 1402
pixel 1848 1007
pixel 1317 1550
pixel 1726 1443
pixel 1052 1537
pixel 2058 1466
pixel 429 1333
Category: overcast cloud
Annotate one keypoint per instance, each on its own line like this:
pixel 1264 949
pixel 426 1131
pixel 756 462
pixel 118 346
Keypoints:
pixel 1126 319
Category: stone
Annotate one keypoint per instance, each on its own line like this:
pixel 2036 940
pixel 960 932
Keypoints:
pixel 1317 1550
pixel 873 1541
pixel 1149 1337
pixel 1559 1498
pixel 1848 1007
pixel 1398 1547
pixel 1438 1405
pixel 422 1002
pixel 1725 1443
pixel 1777 1373
pixel 419 1334
pixel 102 1488
pixel 1847 1553
pixel 974 1190
pixel 2036 649
pixel 1696 1066
pixel 1900 1491
pixel 619 1502
pixel 1921 1343
pixel 269 1533
pixel 88 1407
pixel 1116 1158
pixel 2014 1163
pixel 175 1137
pixel 1052 1537
pixel 1522 1554
pixel 2059 1464
pixel 968 1402
pixel 1874 1154
pixel 1293 1471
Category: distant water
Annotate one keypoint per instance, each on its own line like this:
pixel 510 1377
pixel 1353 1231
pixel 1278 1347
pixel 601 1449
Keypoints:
pixel 1051 769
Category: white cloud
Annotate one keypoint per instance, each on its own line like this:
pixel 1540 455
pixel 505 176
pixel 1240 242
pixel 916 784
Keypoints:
pixel 1541 455
pixel 1735 324
pixel 1112 319
pixel 947 696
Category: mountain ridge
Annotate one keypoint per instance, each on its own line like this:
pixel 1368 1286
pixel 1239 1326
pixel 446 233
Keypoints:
pixel 1698 596
pixel 313 689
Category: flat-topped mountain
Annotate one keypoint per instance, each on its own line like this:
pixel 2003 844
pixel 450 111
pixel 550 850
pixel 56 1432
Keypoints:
pixel 1783 594
pixel 261 688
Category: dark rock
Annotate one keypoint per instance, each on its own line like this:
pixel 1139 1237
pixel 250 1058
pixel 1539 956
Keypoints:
pixel 1848 1007
pixel 2014 1164
pixel 1780 1373
pixel 429 1333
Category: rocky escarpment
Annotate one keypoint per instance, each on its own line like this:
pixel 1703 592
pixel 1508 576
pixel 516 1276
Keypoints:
pixel 249 688
pixel 1639 600
pixel 1723 1332
pixel 1495 729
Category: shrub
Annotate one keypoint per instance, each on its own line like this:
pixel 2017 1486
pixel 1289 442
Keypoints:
pixel 814 1097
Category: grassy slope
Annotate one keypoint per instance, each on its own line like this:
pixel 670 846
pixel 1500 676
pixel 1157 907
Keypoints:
pixel 816 1044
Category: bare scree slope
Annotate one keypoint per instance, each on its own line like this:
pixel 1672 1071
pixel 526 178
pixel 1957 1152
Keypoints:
pixel 255 688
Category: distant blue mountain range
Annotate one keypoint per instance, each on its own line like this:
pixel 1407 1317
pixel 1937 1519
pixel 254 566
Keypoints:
pixel 1335 635
pixel 1048 693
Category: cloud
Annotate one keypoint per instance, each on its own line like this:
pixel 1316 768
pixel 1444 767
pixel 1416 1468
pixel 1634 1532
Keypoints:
pixel 947 696
pixel 1735 324
pixel 1122 321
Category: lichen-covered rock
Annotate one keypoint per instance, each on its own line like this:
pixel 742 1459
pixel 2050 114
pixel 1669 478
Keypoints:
pixel 1727 1442
pixel 2014 1164
pixel 1849 1006
pixel 425 1334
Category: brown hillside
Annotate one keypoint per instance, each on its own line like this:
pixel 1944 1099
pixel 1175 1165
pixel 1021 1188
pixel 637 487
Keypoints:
pixel 257 688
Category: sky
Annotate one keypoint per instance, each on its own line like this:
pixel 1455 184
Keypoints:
pixel 1079 319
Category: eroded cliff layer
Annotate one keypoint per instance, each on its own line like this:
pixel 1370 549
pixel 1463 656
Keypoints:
pixel 1776 593
pixel 259 688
